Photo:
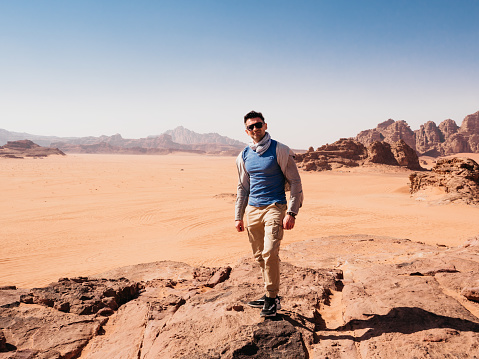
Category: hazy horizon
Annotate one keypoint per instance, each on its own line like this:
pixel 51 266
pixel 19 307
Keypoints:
pixel 318 70
pixel 246 140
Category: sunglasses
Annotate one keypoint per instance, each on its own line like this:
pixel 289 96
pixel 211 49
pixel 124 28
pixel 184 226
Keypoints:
pixel 257 125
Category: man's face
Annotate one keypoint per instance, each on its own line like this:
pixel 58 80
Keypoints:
pixel 256 134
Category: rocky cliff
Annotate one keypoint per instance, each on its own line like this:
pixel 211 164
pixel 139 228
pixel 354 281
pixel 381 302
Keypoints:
pixel 457 178
pixel 26 148
pixel 342 297
pixel 430 139
pixel 351 153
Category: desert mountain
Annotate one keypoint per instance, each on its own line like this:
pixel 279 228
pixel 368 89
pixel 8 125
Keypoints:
pixel 46 141
pixel 179 139
pixel 186 137
pixel 430 139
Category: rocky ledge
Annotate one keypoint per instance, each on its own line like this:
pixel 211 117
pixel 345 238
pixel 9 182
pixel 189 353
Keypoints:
pixel 457 179
pixel 26 148
pixel 351 153
pixel 344 297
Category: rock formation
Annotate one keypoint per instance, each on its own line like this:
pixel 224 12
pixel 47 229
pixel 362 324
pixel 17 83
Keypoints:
pixel 427 138
pixel 83 295
pixel 189 141
pixel 389 131
pixel 380 152
pixel 405 155
pixel 182 312
pixel 447 128
pixel 344 152
pixel 351 153
pixel 186 137
pixel 458 178
pixel 161 144
pixel 430 140
pixel 26 148
pixel 344 297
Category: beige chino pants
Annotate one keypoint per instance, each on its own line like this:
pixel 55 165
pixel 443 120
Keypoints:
pixel 265 231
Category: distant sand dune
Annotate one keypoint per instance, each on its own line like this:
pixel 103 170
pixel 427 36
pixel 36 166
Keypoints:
pixel 86 214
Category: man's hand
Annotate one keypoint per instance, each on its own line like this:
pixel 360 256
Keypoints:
pixel 288 222
pixel 239 226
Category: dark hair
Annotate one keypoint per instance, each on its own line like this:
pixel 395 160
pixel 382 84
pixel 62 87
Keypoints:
pixel 253 114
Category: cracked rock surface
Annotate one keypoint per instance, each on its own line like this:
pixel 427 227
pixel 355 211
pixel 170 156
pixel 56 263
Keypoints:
pixel 342 297
pixel 457 177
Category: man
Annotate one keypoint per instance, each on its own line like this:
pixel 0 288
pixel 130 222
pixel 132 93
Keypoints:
pixel 265 168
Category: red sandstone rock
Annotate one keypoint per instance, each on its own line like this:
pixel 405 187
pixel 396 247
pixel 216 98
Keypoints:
pixel 470 125
pixel 428 137
pixel 380 309
pixel 351 153
pixel 456 143
pixel 471 293
pixel 430 140
pixel 380 152
pixel 38 332
pixel 405 156
pixel 83 295
pixel 26 148
pixel 220 276
pixel 447 128
pixel 3 342
pixel 458 177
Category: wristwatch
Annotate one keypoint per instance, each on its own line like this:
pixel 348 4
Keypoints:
pixel 292 214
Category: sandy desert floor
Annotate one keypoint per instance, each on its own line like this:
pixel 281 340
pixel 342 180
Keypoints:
pixel 86 214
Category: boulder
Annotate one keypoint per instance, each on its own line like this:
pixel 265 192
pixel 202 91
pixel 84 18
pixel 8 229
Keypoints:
pixel 380 152
pixel 405 156
pixel 457 177
pixel 471 293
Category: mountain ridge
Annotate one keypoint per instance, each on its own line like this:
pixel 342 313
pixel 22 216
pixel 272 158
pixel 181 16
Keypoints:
pixel 178 139
pixel 430 139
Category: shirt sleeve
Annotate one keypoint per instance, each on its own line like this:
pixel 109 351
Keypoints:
pixel 296 188
pixel 242 194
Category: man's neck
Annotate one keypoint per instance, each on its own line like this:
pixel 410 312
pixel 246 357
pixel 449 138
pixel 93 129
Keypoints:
pixel 259 139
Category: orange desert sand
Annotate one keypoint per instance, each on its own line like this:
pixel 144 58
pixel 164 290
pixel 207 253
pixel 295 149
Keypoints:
pixel 81 215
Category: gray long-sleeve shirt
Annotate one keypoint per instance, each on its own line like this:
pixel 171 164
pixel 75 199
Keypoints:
pixel 285 159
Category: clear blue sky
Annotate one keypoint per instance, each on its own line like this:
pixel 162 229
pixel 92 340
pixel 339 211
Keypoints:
pixel 318 70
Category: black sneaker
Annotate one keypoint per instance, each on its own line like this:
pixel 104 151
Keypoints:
pixel 271 305
pixel 259 303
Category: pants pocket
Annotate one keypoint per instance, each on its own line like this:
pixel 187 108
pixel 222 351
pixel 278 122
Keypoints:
pixel 281 206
